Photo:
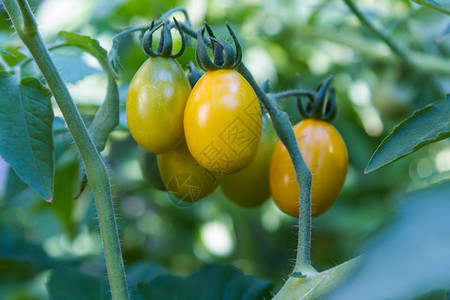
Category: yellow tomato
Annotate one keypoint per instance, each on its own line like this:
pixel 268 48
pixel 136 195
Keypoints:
pixel 184 177
pixel 155 104
pixel 325 153
pixel 222 122
pixel 250 186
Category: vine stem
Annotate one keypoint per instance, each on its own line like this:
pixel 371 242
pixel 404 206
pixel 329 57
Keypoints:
pixel 26 27
pixel 286 134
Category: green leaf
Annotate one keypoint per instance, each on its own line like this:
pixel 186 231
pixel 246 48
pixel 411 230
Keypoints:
pixel 211 282
pixel 66 187
pixel 6 52
pixel 425 126
pixel 412 256
pixel 105 120
pixel 107 116
pixel 15 54
pixel 20 257
pixel 68 284
pixel 142 272
pixel 66 180
pixel 72 68
pixel 432 4
pixel 316 285
pixel 91 46
pixel 26 140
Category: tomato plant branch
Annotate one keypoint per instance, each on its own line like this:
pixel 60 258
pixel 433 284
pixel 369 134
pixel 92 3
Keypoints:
pixel 118 36
pixel 284 130
pixel 26 27
pixel 404 55
pixel 304 177
pixel 191 32
pixel 113 53
pixel 292 93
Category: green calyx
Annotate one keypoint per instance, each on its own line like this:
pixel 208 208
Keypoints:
pixel 165 43
pixel 321 106
pixel 194 75
pixel 225 56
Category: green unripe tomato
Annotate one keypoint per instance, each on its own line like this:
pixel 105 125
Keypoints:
pixel 250 186
pixel 149 169
pixel 184 177
pixel 155 104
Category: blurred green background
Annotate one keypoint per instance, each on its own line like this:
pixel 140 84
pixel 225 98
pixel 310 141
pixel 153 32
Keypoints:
pixel 375 91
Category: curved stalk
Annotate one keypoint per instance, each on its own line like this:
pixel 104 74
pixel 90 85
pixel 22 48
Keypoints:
pixel 286 134
pixel 292 93
pixel 146 27
pixel 284 130
pixel 26 27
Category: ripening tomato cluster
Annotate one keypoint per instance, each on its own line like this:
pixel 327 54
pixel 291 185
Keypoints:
pixel 198 136
pixel 216 133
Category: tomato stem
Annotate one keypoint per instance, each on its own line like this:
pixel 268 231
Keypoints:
pixel 25 25
pixel 165 43
pixel 113 54
pixel 284 130
pixel 292 93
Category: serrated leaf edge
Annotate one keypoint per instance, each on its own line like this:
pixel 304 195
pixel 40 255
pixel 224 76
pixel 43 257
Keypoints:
pixel 439 137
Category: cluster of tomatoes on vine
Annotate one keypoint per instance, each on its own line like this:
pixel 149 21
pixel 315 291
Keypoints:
pixel 210 129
